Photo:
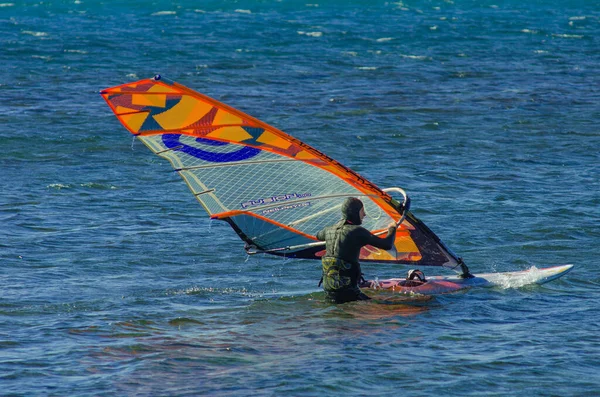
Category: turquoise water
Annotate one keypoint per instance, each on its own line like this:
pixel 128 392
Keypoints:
pixel 114 281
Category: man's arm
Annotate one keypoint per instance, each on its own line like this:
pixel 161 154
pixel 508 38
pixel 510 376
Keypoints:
pixel 386 242
pixel 321 235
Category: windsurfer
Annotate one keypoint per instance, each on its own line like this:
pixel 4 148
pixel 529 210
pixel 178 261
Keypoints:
pixel 343 241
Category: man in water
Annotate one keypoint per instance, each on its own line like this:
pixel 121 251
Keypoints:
pixel 343 241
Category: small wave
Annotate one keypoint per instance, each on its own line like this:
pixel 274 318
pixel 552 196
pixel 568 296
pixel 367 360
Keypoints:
pixel 208 290
pixel 122 329
pixel 582 18
pixel 76 51
pixel 160 13
pixel 311 34
pixel 179 321
pixel 367 68
pixel 567 36
pixel 35 34
pixel 400 5
pixel 417 57
pixel 384 39
pixel 7 5
pixel 58 186
pixel 240 11
pixel 530 31
pixel 88 185
pixel 100 186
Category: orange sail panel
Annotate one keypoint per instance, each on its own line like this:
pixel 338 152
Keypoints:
pixel 274 190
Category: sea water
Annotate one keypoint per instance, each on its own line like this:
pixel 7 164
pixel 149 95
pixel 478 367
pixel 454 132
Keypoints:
pixel 114 282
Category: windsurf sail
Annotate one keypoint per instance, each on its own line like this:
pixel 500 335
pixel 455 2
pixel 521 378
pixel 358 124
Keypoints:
pixel 275 191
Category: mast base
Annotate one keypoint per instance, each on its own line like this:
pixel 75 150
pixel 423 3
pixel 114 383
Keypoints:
pixel 465 270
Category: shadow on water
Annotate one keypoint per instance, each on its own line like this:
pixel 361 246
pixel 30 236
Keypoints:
pixel 253 328
pixel 387 306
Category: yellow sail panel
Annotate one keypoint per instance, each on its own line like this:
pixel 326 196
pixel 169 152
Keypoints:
pixel 234 134
pixel 187 111
pixel 125 110
pixel 406 245
pixel 373 254
pixel 134 121
pixel 273 140
pixel 162 89
pixel 150 100
pixel 225 118
pixel 304 155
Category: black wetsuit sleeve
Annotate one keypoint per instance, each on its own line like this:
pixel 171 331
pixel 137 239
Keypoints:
pixel 386 242
pixel 321 235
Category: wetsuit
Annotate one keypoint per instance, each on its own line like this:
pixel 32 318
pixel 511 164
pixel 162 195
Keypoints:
pixel 341 269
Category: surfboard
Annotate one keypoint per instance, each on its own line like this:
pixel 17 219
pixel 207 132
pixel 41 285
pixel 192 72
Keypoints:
pixel 436 285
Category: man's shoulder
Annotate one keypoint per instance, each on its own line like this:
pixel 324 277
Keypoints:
pixel 356 229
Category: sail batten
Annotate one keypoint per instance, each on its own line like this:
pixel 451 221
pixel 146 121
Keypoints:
pixel 275 191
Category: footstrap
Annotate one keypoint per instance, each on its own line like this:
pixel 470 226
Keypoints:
pixel 415 273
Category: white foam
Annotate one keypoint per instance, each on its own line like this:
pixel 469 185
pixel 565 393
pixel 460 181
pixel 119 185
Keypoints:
pixel 418 57
pixel 312 34
pixel 567 36
pixel 517 279
pixel 58 186
pixel 35 34
pixel 160 13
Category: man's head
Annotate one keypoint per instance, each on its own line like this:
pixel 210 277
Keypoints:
pixel 353 210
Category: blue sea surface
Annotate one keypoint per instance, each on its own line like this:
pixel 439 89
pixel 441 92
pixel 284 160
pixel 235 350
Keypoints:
pixel 115 282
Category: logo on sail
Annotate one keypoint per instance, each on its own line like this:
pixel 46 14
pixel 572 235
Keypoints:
pixel 274 199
